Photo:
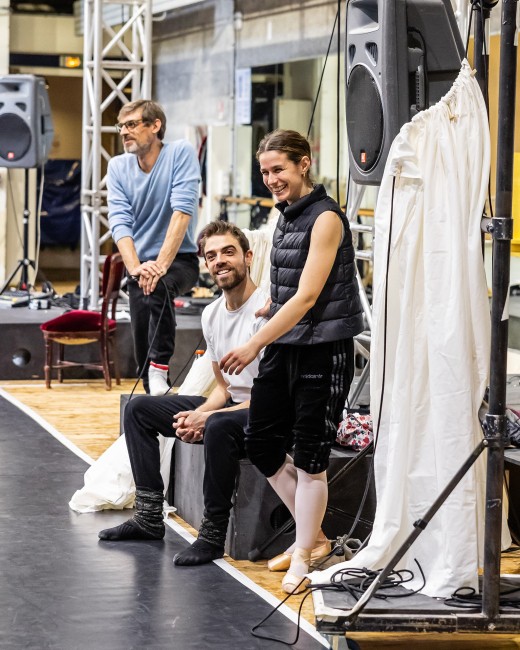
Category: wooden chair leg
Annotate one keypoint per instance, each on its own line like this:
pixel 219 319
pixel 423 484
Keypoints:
pixel 115 357
pixel 106 364
pixel 47 368
pixel 61 355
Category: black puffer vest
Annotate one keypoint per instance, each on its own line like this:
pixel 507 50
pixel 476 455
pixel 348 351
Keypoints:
pixel 337 313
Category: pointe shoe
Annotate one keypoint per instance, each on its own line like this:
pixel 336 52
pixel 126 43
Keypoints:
pixel 295 580
pixel 282 562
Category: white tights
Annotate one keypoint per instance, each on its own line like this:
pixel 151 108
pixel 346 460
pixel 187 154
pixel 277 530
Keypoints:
pixel 305 496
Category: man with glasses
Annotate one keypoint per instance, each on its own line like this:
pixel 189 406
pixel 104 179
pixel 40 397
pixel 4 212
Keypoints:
pixel 153 191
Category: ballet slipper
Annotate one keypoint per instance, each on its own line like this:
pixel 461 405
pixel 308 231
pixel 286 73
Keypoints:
pixel 295 580
pixel 282 562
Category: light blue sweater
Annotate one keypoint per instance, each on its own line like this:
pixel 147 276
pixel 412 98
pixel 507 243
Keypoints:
pixel 140 205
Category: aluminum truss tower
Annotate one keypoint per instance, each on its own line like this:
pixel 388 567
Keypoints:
pixel 117 70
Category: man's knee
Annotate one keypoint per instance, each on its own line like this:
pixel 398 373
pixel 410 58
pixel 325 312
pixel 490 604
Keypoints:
pixel 223 428
pixel 134 409
pixel 143 414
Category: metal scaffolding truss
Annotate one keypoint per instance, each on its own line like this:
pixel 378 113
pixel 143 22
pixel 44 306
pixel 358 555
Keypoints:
pixel 117 70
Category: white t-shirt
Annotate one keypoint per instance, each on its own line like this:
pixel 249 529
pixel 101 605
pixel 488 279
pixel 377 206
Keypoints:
pixel 225 330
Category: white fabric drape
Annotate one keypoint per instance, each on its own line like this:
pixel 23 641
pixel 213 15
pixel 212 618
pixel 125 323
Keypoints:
pixel 437 341
pixel 109 483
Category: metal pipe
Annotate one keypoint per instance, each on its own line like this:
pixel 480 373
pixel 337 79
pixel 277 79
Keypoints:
pixel 502 233
pixel 481 50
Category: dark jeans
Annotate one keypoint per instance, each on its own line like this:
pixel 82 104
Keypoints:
pixel 146 416
pixel 153 322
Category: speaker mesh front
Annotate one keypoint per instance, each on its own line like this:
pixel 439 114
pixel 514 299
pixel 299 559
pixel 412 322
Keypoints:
pixel 365 119
pixel 15 137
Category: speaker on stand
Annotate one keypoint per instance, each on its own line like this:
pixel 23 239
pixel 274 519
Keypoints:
pixel 26 134
pixel 401 57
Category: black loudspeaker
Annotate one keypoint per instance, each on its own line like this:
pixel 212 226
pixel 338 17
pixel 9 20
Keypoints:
pixel 401 56
pixel 26 130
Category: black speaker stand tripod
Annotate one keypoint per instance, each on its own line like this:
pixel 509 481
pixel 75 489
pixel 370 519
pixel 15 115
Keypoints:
pixel 24 263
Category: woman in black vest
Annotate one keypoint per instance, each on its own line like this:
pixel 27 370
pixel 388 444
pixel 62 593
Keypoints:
pixel 306 371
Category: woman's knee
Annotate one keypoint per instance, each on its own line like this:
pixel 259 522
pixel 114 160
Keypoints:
pixel 264 456
pixel 311 463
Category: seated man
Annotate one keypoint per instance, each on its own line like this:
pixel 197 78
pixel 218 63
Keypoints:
pixel 220 419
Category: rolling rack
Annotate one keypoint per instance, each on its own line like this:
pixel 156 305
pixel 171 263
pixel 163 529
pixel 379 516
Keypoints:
pixel 338 613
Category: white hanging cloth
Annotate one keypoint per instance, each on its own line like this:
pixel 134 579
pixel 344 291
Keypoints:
pixel 109 483
pixel 437 345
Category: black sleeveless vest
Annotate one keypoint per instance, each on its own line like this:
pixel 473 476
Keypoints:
pixel 337 313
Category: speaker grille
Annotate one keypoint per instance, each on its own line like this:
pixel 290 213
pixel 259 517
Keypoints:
pixel 372 52
pixel 15 137
pixel 365 121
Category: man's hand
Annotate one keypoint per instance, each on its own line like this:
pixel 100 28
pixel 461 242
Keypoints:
pixel 189 425
pixel 236 360
pixel 148 273
pixel 263 312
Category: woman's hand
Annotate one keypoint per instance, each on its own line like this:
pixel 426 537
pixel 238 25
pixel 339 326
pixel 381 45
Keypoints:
pixel 236 360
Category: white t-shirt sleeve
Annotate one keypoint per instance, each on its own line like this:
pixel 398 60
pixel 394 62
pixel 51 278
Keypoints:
pixel 207 332
pixel 225 330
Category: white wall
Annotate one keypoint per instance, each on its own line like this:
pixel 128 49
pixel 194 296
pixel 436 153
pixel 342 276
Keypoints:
pixel 43 34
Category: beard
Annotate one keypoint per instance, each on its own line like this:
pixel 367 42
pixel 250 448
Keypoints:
pixel 130 146
pixel 232 280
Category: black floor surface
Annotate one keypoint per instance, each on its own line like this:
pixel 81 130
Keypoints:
pixel 63 589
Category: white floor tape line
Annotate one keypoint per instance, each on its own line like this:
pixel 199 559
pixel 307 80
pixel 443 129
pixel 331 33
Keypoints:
pixel 252 586
pixel 48 427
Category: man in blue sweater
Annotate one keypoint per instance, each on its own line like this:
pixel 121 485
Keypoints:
pixel 152 201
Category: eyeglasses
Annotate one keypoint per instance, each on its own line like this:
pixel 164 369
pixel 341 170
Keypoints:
pixel 131 125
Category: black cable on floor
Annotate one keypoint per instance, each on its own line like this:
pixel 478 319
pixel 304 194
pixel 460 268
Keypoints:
pixel 468 598
pixel 357 581
pixel 273 611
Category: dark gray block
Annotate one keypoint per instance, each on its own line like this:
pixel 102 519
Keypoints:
pixel 257 511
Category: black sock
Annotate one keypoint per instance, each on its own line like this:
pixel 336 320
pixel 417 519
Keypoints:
pixel 129 530
pixel 200 552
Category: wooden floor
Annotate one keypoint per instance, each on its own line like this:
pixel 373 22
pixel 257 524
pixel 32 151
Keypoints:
pixel 88 415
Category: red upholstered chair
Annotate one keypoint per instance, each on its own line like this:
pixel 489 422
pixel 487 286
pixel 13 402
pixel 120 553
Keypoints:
pixel 79 327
